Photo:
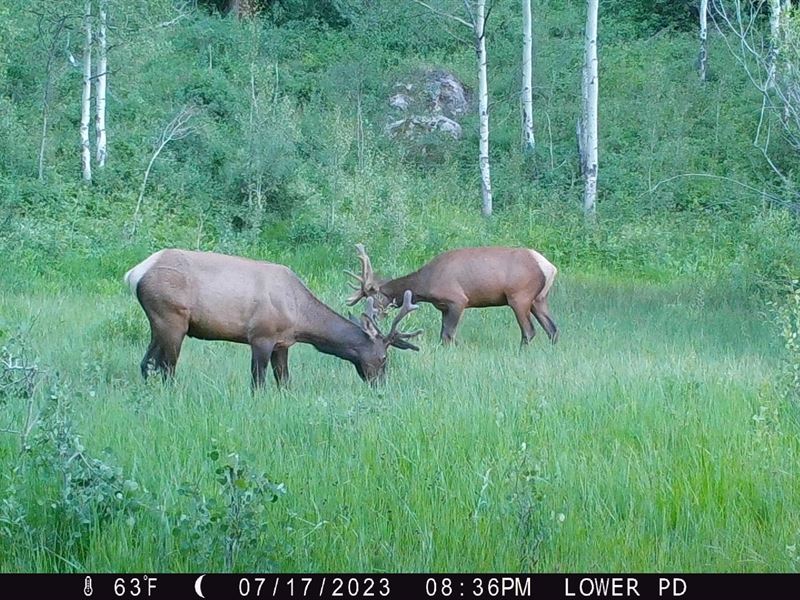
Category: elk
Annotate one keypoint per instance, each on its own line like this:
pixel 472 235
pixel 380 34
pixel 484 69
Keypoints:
pixel 469 278
pixel 219 297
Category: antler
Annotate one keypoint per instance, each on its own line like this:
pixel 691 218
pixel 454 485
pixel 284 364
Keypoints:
pixel 397 338
pixel 367 279
pixel 371 316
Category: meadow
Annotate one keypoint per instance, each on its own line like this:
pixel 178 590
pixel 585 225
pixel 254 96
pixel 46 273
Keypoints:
pixel 652 437
pixel 662 431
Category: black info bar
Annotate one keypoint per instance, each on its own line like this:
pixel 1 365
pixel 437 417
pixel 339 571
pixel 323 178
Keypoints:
pixel 218 586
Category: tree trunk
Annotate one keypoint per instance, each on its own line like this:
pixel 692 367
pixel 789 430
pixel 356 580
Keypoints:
pixel 101 83
pixel 86 103
pixel 528 140
pixel 774 40
pixel 242 9
pixel 43 145
pixel 703 59
pixel 483 107
pixel 590 111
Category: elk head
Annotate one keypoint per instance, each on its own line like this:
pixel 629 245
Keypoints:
pixel 371 360
pixel 368 286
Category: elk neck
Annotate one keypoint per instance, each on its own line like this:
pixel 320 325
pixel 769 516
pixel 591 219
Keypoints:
pixel 330 333
pixel 395 288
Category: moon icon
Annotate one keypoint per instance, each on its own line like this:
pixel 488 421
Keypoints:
pixel 197 583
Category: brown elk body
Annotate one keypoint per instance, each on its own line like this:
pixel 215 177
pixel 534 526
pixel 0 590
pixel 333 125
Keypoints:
pixel 470 278
pixel 219 297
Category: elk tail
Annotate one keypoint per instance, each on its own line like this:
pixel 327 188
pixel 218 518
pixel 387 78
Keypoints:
pixel 548 270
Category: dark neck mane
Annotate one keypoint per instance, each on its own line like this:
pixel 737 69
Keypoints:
pixel 329 332
pixel 395 288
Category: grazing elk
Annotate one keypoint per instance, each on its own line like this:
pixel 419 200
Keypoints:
pixel 469 278
pixel 218 297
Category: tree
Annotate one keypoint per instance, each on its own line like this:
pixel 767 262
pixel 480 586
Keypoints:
pixel 769 60
pixel 177 129
pixel 528 140
pixel 100 84
pixel 483 107
pixel 50 26
pixel 477 16
pixel 86 100
pixel 587 127
pixel 242 9
pixel 703 58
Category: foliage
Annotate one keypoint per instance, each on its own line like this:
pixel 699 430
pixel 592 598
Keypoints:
pixel 92 490
pixel 233 520
pixel 18 371
pixel 788 317
pixel 644 18
pixel 471 458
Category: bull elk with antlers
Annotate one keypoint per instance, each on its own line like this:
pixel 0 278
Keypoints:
pixel 469 278
pixel 218 297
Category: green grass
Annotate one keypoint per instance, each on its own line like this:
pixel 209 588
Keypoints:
pixel 629 446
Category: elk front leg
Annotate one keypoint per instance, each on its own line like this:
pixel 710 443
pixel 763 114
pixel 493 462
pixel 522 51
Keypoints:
pixel 280 365
pixel 451 315
pixel 261 354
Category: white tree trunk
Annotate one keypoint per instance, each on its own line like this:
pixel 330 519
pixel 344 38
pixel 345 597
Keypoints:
pixel 86 102
pixel 483 107
pixel 44 138
pixel 101 83
pixel 590 111
pixel 528 140
pixel 774 40
pixel 703 60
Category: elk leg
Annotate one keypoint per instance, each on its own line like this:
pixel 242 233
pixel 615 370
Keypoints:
pixel 262 352
pixel 165 346
pixel 541 311
pixel 168 352
pixel 522 312
pixel 451 315
pixel 280 365
pixel 150 357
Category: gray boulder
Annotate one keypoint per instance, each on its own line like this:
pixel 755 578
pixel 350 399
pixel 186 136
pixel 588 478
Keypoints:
pixel 429 103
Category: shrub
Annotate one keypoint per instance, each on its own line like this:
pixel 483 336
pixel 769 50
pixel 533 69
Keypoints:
pixel 232 520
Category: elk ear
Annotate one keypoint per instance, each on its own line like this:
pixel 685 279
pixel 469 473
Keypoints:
pixel 369 327
pixel 368 323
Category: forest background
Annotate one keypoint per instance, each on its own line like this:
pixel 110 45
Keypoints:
pixel 661 433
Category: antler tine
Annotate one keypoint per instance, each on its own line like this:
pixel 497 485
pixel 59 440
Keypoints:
pixel 404 310
pixel 354 276
pixel 365 281
pixel 366 265
pixel 354 298
pixel 371 314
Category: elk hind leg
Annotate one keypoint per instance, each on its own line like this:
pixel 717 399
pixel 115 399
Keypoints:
pixel 151 358
pixel 165 347
pixel 170 351
pixel 541 311
pixel 522 313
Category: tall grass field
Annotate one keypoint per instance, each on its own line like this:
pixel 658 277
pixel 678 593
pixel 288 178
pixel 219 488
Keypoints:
pixel 662 431
pixel 652 437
